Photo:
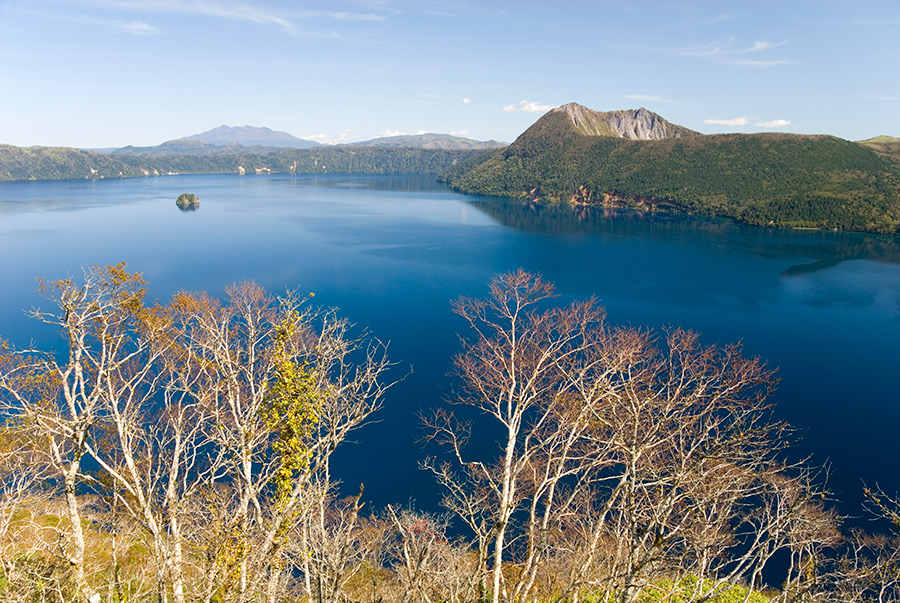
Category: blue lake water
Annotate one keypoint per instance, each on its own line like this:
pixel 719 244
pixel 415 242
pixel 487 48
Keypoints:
pixel 392 252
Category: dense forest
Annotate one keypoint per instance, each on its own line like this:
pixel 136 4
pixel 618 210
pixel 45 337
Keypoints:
pixel 766 179
pixel 763 179
pixel 51 163
pixel 181 451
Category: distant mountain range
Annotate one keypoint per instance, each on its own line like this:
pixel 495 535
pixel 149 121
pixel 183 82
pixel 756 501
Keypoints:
pixel 226 140
pixel 250 136
pixel 628 158
pixel 432 141
pixel 638 159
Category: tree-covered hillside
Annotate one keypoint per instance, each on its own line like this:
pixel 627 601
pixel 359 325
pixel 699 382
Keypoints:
pixel 767 179
pixel 52 163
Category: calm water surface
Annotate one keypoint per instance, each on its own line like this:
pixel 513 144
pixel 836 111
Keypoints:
pixel 391 252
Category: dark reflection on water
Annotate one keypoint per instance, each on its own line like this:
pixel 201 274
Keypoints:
pixel 392 252
pixel 828 248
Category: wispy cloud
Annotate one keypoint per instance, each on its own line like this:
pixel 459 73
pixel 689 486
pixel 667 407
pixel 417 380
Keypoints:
pixel 291 20
pixel 759 64
pixel 466 100
pixel 389 133
pixel 135 28
pixel 139 28
pixel 338 16
pixel 710 20
pixel 224 10
pixel 761 45
pixel 775 123
pixel 729 52
pixel 707 50
pixel 737 121
pixel 527 106
pixel 463 133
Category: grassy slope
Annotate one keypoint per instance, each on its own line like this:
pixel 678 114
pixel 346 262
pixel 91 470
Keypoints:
pixel 772 179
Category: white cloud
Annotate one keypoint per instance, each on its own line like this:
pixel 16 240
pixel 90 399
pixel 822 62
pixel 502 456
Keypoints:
pixel 139 28
pixel 466 100
pixel 769 63
pixel 287 18
pixel 737 121
pixel 763 45
pixel 709 50
pixel 710 21
pixel 463 133
pixel 728 52
pixel 340 16
pixel 388 133
pixel 775 123
pixel 528 107
pixel 342 137
pixel 235 11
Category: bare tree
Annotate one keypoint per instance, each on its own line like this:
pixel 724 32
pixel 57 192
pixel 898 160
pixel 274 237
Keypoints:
pixel 282 387
pixel 212 425
pixel 160 459
pixel 428 564
pixel 22 498
pixel 512 372
pixel 63 398
pixel 868 570
pixel 634 461
pixel 336 554
pixel 348 376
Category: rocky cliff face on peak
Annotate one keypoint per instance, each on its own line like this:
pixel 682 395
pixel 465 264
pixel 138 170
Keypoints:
pixel 634 124
pixel 636 159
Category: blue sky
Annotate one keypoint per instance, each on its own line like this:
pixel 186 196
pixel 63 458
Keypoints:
pixel 107 73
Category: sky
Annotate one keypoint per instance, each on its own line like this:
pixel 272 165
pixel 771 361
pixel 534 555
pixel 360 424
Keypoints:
pixel 110 73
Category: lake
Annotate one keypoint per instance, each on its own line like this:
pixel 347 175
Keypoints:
pixel 392 252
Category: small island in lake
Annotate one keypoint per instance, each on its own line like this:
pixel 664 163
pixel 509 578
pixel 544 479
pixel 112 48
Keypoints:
pixel 188 202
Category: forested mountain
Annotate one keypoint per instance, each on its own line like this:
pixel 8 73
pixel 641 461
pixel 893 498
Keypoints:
pixel 51 163
pixel 573 154
pixel 432 141
pixel 54 163
pixel 184 146
pixel 631 158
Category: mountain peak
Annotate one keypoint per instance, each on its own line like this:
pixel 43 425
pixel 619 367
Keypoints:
pixel 250 136
pixel 635 124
